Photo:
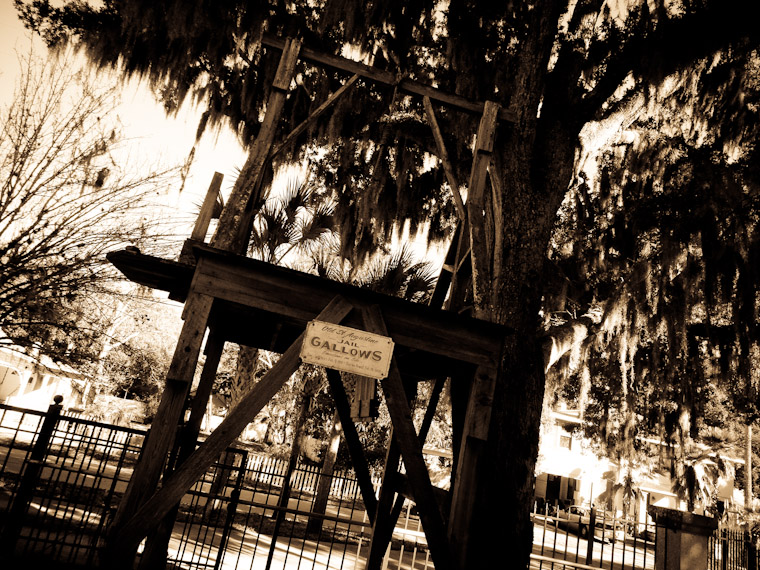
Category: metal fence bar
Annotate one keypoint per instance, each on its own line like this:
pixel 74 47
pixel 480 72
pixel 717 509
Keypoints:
pixel 226 519
pixel 29 478
pixel 610 542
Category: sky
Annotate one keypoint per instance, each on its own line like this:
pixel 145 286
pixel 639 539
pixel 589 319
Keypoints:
pixel 147 131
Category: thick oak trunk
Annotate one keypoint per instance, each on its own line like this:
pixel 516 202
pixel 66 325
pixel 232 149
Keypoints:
pixel 534 184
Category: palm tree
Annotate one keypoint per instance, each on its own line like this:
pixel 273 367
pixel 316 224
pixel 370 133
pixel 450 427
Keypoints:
pixel 297 221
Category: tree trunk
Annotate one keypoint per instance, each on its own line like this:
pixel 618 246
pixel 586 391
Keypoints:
pixel 534 162
pixel 245 374
pixel 314 527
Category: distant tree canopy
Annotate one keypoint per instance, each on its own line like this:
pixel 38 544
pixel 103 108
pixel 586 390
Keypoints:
pixel 663 245
pixel 64 202
pixel 572 77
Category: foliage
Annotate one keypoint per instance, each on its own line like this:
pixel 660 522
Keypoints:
pixel 64 202
pixel 568 74
pixel 663 245
pixel 135 356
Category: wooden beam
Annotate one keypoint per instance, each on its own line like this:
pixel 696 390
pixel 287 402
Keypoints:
pixel 213 352
pixel 443 155
pixel 476 425
pixel 159 441
pixel 479 250
pixel 498 196
pixel 355 449
pixel 446 277
pixel 462 271
pixel 411 451
pixel 311 118
pixel 156 544
pixel 150 513
pixel 294 298
pixel 382 527
pixel 207 208
pixel 401 481
pixel 388 78
pixel 299 297
pixel 233 229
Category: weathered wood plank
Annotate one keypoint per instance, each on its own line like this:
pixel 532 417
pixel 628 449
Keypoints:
pixel 382 527
pixel 150 513
pixel 298 296
pixel 207 208
pixel 287 66
pixel 472 447
pixel 411 451
pixel 164 428
pixel 154 554
pixel 355 449
pixel 233 229
pixel 497 190
pixel 479 252
pixel 402 486
pixel 387 78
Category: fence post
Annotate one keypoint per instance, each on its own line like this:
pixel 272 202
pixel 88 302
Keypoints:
pixel 29 478
pixel 751 550
pixel 682 540
pixel 590 536
pixel 724 550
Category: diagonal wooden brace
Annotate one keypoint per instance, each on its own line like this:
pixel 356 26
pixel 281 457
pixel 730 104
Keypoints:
pixel 151 512
pixel 411 451
pixel 355 450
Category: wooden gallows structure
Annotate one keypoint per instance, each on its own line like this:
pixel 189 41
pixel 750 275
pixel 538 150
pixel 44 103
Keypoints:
pixel 231 298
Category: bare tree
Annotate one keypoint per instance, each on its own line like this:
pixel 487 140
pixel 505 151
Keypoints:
pixel 65 201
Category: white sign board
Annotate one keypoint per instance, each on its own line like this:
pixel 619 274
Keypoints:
pixel 347 349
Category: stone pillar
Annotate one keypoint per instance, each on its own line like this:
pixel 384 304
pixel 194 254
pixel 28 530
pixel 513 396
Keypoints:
pixel 682 539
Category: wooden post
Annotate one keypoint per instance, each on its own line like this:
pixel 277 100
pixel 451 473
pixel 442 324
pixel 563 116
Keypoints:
pixel 156 447
pixel 157 543
pixel 207 209
pixel 481 264
pixel 203 220
pixel 150 512
pixel 354 446
pixel 472 446
pixel 234 223
pixel 411 451
pixel 384 532
pixel 443 155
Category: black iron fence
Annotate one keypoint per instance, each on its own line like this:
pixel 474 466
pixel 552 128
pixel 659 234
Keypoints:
pixel 61 479
pixel 733 549
pixel 597 539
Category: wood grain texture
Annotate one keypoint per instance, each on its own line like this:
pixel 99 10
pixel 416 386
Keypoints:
pixel 164 428
pixel 409 444
pixel 387 78
pixel 150 513
pixel 353 443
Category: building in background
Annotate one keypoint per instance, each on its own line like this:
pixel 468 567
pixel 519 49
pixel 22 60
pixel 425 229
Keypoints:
pixel 568 472
pixel 28 381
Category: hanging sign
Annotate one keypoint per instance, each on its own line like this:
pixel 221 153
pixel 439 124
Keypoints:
pixel 347 349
